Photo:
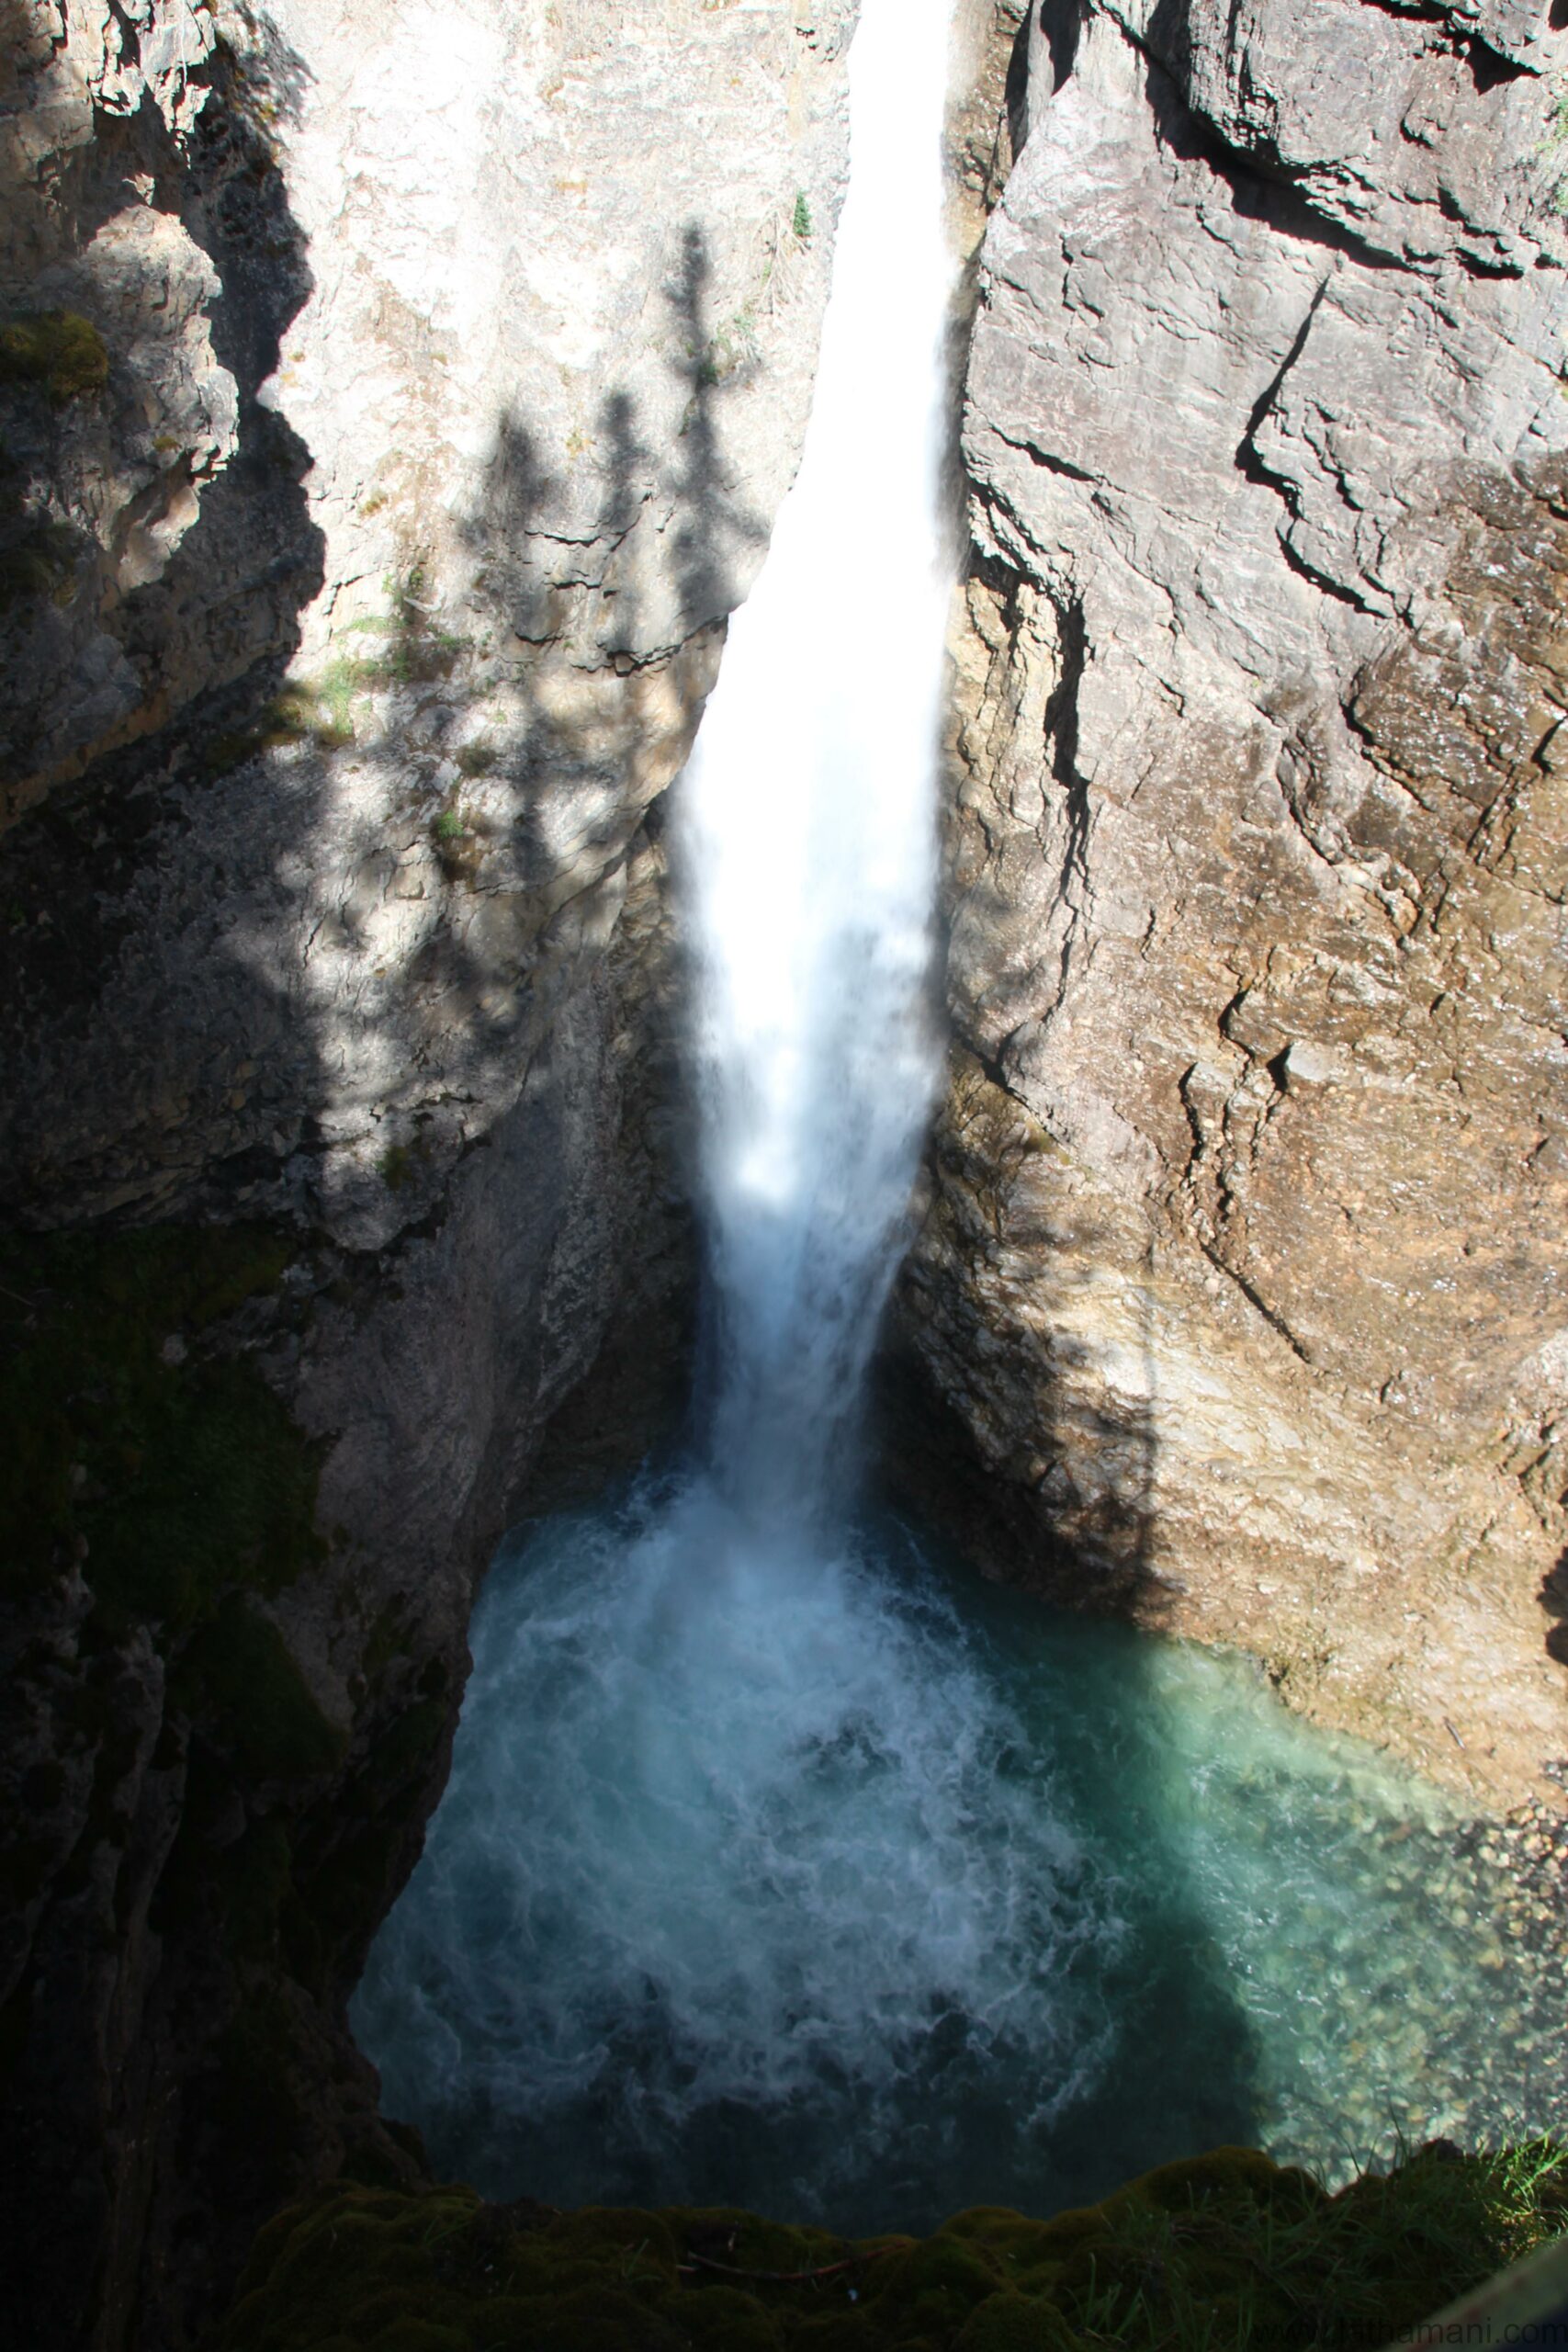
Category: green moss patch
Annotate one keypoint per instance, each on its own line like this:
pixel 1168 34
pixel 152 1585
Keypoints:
pixel 238 1675
pixel 39 563
pixel 1224 2254
pixel 172 1473
pixel 398 1166
pixel 58 350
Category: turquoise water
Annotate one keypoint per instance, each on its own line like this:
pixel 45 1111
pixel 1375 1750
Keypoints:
pixel 846 1886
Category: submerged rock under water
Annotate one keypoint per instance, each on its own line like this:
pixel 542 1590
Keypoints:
pixel 845 1885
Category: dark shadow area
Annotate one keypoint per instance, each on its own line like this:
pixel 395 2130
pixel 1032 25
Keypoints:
pixel 626 471
pixel 1489 70
pixel 699 535
pixel 1061 28
pixel 544 589
pixel 710 526
pixel 1554 1601
pixel 635 1403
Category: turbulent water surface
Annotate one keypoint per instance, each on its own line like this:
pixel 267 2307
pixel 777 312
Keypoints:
pixel 845 1885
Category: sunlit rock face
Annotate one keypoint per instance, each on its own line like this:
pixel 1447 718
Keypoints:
pixel 1243 1267
pixel 399 402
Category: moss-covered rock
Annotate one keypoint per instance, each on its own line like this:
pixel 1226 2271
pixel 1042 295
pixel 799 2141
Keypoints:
pixel 60 351
pixel 170 1470
pixel 1226 2253
pixel 1015 2323
pixel 929 2289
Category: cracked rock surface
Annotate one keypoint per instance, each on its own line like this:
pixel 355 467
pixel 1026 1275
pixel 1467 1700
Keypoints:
pixel 1243 1268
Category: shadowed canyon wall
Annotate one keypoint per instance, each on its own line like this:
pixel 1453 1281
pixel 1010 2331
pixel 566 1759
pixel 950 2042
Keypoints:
pixel 395 402
pixel 1243 1273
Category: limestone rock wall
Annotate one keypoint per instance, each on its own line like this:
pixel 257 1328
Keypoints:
pixel 1244 1266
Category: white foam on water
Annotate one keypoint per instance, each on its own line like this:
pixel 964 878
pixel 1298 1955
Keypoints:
pixel 728 1822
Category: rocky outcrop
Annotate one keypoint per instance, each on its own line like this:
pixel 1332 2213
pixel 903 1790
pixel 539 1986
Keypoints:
pixel 1243 1270
pixel 395 402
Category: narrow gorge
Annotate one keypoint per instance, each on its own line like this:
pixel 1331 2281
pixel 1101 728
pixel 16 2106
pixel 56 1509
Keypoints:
pixel 395 406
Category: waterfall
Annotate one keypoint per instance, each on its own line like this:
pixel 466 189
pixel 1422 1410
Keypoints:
pixel 807 824
pixel 779 1866
pixel 746 1872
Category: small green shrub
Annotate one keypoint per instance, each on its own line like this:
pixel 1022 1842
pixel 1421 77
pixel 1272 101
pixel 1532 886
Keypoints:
pixel 396 1167
pixel 801 223
pixel 39 562
pixel 730 349
pixel 300 714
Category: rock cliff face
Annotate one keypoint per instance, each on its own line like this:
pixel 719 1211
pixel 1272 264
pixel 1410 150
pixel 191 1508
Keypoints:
pixel 394 402
pixel 1242 1272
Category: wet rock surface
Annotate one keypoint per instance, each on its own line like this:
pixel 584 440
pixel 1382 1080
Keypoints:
pixel 1240 1273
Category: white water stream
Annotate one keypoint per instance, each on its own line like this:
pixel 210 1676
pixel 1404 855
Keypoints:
pixel 807 823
